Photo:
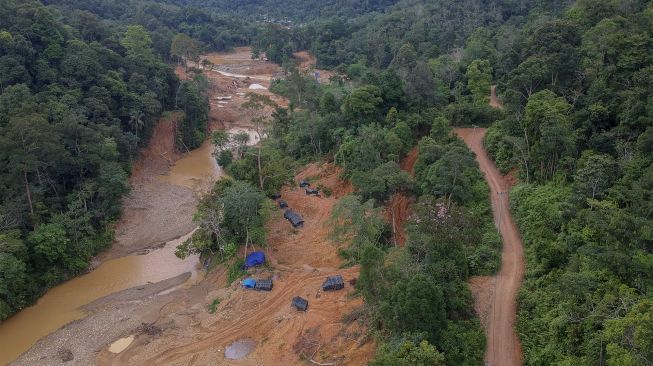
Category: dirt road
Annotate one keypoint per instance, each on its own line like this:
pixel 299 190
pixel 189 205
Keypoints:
pixel 398 207
pixel 494 101
pixel 503 346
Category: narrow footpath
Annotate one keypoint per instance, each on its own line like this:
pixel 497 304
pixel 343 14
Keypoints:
pixel 503 346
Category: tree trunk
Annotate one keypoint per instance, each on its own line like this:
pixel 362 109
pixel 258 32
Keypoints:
pixel 29 193
pixel 394 227
pixel 246 241
pixel 453 184
pixel 258 161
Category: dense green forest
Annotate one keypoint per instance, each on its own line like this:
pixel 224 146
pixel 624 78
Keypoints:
pixel 289 11
pixel 579 128
pixel 78 96
pixel 95 18
pixel 438 30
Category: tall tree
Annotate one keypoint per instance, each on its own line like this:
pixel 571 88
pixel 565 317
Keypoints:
pixel 479 80
pixel 138 43
pixel 31 147
pixel 185 48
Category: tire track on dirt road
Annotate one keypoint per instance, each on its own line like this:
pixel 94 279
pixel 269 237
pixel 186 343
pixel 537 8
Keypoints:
pixel 503 346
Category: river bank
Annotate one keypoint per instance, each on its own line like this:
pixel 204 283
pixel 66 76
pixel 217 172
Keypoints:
pixel 157 216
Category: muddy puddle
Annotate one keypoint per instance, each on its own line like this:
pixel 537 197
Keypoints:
pixel 239 349
pixel 62 304
pixel 241 76
pixel 199 166
pixel 121 344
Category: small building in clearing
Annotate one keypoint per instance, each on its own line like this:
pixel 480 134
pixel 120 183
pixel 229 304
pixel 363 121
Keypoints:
pixel 294 218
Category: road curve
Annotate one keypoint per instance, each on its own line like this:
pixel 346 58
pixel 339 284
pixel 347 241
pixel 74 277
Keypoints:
pixel 503 346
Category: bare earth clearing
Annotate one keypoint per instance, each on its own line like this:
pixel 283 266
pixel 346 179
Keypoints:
pixel 300 261
pixel 494 100
pixel 496 296
pixel 398 207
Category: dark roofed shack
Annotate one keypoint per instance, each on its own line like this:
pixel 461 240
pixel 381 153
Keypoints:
pixel 263 285
pixel 283 204
pixel 304 183
pixel 294 218
pixel 333 283
pixel 311 191
pixel 300 303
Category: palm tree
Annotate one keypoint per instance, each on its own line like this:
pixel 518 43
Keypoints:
pixel 136 122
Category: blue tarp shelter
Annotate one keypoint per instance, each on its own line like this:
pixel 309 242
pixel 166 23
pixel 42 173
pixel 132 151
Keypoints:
pixel 249 283
pixel 254 259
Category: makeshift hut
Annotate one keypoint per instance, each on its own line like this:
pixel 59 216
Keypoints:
pixel 263 285
pixel 313 192
pixel 304 183
pixel 254 259
pixel 333 283
pixel 283 204
pixel 249 283
pixel 294 218
pixel 299 303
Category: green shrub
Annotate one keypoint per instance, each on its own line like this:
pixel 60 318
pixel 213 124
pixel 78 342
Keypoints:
pixel 213 306
pixel 235 271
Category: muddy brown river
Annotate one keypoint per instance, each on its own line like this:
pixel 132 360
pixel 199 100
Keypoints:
pixel 62 304
pixel 195 167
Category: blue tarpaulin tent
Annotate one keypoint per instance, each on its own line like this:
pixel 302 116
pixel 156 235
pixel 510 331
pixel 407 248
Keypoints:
pixel 254 259
pixel 249 283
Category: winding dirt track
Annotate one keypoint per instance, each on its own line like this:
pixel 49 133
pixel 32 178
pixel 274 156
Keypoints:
pixel 494 100
pixel 503 346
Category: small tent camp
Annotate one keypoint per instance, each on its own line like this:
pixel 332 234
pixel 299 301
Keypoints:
pixel 254 259
pixel 294 218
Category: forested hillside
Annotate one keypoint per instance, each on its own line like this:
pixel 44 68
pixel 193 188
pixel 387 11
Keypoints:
pixel 78 96
pixel 289 11
pixel 433 28
pixel 576 130
pixel 214 30
pixel 579 128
